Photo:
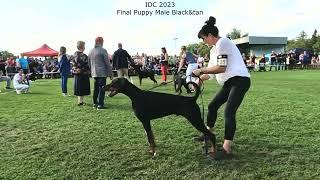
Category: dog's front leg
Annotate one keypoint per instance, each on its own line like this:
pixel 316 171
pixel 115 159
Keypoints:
pixel 149 133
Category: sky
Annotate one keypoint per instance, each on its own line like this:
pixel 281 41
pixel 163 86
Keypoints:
pixel 26 25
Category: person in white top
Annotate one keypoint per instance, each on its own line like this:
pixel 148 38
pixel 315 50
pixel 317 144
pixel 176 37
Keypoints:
pixel 20 83
pixel 227 65
pixel 191 60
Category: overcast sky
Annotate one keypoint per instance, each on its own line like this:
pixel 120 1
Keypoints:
pixel 26 25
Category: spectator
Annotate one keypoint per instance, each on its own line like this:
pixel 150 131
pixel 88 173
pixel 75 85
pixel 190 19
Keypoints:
pixel 244 58
pixel 23 64
pixel 292 61
pixel 5 78
pixel 305 58
pixel 2 65
pixel 81 71
pixel 262 63
pixel 20 83
pixel 11 65
pixel 191 60
pixel 164 64
pixel 64 67
pixel 273 62
pixel 314 60
pixel 100 69
pixel 120 60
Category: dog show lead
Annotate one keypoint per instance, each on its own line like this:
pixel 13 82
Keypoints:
pixel 227 65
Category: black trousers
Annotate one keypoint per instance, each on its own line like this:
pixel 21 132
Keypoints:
pixel 99 92
pixel 232 93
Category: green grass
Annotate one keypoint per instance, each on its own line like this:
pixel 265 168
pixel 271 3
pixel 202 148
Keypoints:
pixel 46 136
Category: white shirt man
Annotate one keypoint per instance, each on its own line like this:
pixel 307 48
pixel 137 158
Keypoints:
pixel 20 83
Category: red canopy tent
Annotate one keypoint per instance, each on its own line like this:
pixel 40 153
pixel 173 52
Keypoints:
pixel 43 51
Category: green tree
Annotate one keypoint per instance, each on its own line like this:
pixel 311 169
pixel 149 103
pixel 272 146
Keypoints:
pixel 203 49
pixel 6 54
pixel 234 34
pixel 314 37
pixel 302 36
pixel 314 42
pixel 300 42
pixel 199 48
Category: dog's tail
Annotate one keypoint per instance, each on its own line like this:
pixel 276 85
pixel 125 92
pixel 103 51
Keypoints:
pixel 196 87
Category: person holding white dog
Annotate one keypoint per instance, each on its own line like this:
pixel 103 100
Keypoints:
pixel 20 83
pixel 226 64
pixel 191 60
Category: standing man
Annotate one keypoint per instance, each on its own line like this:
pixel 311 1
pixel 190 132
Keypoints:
pixel 100 69
pixel 120 60
pixel 23 64
pixel 273 62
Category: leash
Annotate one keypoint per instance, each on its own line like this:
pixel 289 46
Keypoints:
pixel 162 84
pixel 201 90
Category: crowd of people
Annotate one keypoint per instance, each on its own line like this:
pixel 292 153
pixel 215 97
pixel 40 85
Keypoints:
pixel 282 61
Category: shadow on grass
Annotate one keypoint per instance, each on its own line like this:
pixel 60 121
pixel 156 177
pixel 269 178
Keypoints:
pixel 262 154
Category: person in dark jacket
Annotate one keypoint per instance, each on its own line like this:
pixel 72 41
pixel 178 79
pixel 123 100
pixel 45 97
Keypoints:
pixel 120 60
pixel 64 67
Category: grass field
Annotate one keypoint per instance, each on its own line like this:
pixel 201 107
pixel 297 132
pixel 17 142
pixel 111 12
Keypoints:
pixel 46 136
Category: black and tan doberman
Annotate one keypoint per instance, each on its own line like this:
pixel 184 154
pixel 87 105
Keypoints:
pixel 148 105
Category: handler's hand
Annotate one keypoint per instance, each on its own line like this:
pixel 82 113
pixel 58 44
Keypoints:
pixel 196 72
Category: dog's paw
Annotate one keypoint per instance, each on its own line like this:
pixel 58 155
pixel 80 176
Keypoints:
pixel 152 153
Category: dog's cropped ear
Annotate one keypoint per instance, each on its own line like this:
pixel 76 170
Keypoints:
pixel 123 82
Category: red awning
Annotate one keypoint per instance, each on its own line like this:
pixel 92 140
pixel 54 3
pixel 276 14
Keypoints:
pixel 43 51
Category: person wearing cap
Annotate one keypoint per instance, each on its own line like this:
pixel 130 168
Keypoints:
pixel 100 69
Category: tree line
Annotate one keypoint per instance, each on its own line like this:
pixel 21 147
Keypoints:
pixel 301 41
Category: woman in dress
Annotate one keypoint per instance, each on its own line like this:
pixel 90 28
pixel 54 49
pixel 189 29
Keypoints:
pixel 81 71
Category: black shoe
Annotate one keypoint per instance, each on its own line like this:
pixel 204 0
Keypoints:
pixel 100 107
pixel 8 88
pixel 80 104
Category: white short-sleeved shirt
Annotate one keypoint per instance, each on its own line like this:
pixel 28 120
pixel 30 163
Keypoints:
pixel 16 79
pixel 235 64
